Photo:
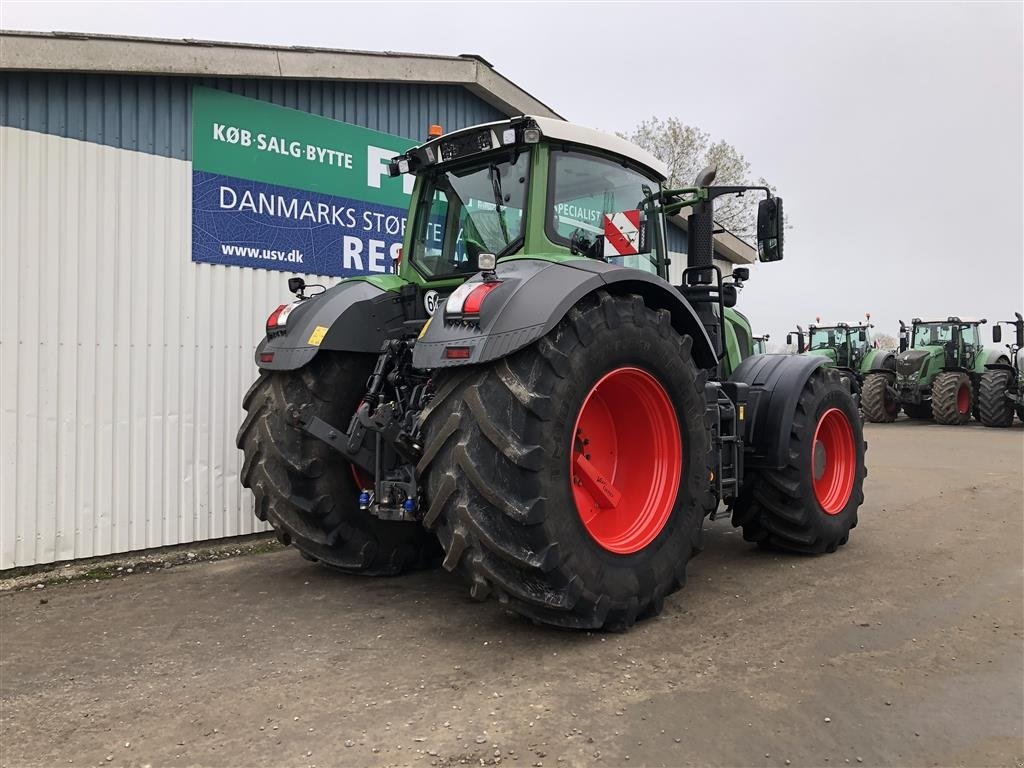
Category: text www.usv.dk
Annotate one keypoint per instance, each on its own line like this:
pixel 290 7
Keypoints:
pixel 294 255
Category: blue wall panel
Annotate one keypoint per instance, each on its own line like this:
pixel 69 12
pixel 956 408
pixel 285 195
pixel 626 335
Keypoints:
pixel 153 114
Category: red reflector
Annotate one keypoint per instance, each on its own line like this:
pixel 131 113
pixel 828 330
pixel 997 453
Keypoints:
pixel 266 357
pixel 476 297
pixel 272 320
pixel 457 353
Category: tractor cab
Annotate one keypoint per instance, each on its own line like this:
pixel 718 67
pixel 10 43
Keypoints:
pixel 950 344
pixel 534 188
pixel 531 186
pixel 845 345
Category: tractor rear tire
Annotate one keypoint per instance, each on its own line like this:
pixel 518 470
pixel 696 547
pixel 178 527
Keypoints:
pixel 918 410
pixel 994 407
pixel 952 397
pixel 507 445
pixel 306 490
pixel 811 504
pixel 879 406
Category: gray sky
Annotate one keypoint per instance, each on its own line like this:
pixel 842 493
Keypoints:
pixel 893 131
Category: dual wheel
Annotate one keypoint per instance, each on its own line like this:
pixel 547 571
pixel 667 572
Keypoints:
pixel 569 480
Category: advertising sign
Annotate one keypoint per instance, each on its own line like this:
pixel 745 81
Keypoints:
pixel 276 188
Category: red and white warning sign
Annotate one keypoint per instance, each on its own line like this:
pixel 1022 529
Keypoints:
pixel 622 234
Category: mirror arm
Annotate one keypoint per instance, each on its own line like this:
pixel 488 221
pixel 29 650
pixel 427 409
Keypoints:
pixel 714 192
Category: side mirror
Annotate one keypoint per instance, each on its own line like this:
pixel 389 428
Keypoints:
pixel 862 336
pixel 741 273
pixel 997 334
pixel 729 294
pixel 789 339
pixel 769 229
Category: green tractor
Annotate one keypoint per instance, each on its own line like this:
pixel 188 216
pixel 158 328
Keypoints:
pixel 848 347
pixel 760 345
pixel 530 400
pixel 938 370
pixel 1001 385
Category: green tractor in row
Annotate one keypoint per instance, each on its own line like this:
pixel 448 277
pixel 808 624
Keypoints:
pixel 759 345
pixel 531 401
pixel 1001 386
pixel 938 372
pixel 849 348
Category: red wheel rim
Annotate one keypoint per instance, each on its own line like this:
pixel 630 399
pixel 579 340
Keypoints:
pixel 963 399
pixel 833 461
pixel 626 460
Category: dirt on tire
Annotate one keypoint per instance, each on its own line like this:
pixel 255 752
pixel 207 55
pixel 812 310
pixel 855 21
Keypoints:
pixel 779 508
pixel 947 398
pixel 875 400
pixel 994 409
pixel 497 466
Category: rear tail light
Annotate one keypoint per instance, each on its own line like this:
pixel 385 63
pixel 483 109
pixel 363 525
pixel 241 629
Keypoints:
pixel 458 353
pixel 279 317
pixel 468 298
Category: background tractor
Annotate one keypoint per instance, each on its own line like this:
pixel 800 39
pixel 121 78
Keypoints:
pixel 938 371
pixel 849 348
pixel 1001 385
pixel 531 399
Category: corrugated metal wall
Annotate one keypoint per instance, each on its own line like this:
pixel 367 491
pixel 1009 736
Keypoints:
pixel 154 114
pixel 122 362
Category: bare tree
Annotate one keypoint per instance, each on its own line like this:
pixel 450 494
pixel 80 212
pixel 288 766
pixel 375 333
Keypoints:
pixel 686 151
pixel 884 340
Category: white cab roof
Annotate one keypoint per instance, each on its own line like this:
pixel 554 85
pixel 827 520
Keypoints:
pixel 560 130
pixel 578 134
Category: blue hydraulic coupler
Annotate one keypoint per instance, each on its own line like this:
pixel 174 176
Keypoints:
pixel 409 505
pixel 364 500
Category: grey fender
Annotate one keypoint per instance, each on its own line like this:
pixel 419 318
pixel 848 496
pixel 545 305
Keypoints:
pixel 775 383
pixel 358 317
pixel 994 357
pixel 532 299
pixel 883 362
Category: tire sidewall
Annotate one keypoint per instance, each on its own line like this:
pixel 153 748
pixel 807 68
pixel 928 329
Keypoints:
pixel 610 573
pixel 833 396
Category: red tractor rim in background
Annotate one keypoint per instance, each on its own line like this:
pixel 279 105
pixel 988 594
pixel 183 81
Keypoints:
pixel 626 460
pixel 963 399
pixel 833 461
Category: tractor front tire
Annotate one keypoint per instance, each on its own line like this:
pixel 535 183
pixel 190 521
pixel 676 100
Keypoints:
pixel 810 505
pixel 952 396
pixel 995 409
pixel 570 479
pixel 878 405
pixel 306 490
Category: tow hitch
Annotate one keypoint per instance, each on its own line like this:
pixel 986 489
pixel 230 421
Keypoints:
pixel 391 422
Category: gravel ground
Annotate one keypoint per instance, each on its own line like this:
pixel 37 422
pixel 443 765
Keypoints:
pixel 905 648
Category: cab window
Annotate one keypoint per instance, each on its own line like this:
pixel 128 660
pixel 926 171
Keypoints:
pixel 472 211
pixel 584 190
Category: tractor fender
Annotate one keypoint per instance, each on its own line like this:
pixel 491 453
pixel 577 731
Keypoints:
pixel 990 357
pixel 879 360
pixel 357 315
pixel 533 297
pixel 999 366
pixel 774 385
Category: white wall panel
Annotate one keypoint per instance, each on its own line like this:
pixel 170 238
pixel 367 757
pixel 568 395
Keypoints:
pixel 122 362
